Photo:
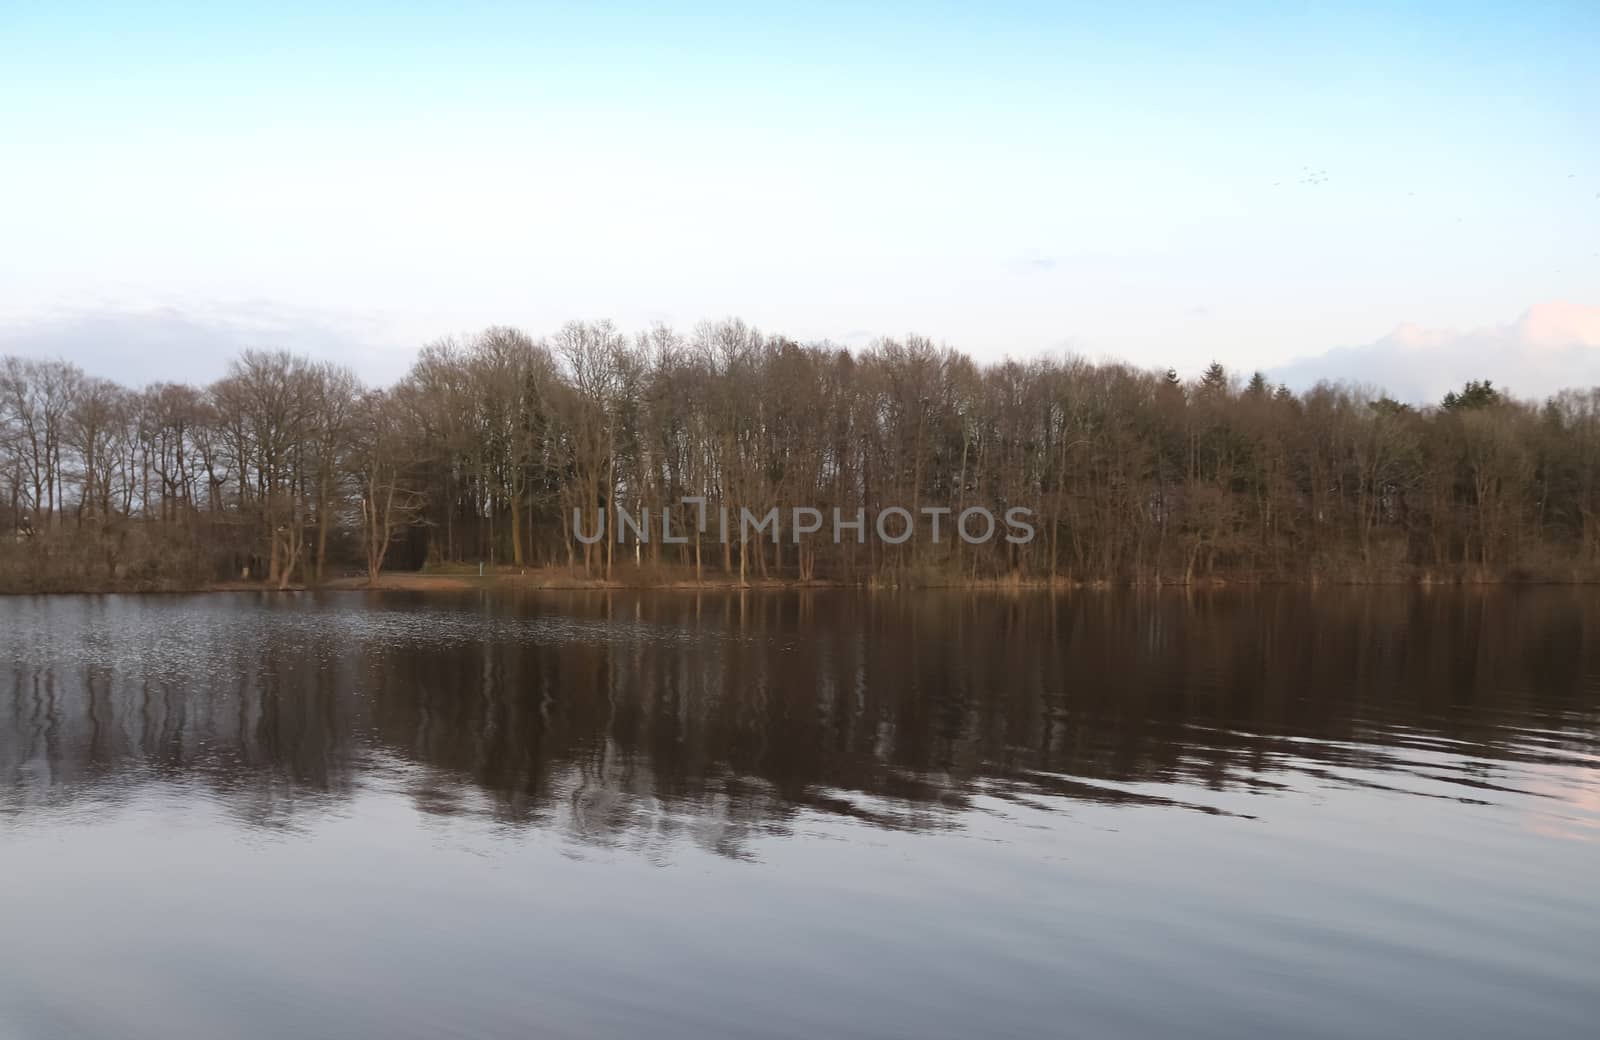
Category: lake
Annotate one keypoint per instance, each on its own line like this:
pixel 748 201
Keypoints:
pixel 1237 813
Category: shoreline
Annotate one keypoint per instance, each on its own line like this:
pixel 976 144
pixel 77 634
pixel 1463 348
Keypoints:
pixel 560 581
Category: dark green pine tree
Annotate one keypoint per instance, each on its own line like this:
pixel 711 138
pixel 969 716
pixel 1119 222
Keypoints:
pixel 1472 396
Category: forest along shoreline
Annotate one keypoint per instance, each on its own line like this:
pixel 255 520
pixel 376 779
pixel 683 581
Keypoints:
pixel 290 472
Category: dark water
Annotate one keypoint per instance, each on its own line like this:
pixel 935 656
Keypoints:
pixel 1260 814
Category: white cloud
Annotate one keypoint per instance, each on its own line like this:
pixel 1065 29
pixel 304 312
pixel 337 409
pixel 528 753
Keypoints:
pixel 135 346
pixel 1552 346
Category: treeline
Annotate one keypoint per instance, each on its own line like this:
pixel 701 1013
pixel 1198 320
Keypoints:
pixel 288 470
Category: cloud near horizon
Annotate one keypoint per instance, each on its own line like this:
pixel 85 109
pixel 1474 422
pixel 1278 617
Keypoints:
pixel 136 347
pixel 1552 346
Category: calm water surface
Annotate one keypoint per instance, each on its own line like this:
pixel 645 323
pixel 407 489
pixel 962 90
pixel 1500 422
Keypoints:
pixel 1334 813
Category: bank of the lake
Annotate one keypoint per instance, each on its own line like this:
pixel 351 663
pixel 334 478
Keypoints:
pixel 457 578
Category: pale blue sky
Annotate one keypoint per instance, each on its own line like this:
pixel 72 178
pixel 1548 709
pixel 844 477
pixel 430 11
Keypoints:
pixel 1247 183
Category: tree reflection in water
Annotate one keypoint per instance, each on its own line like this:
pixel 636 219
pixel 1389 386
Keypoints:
pixel 642 720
